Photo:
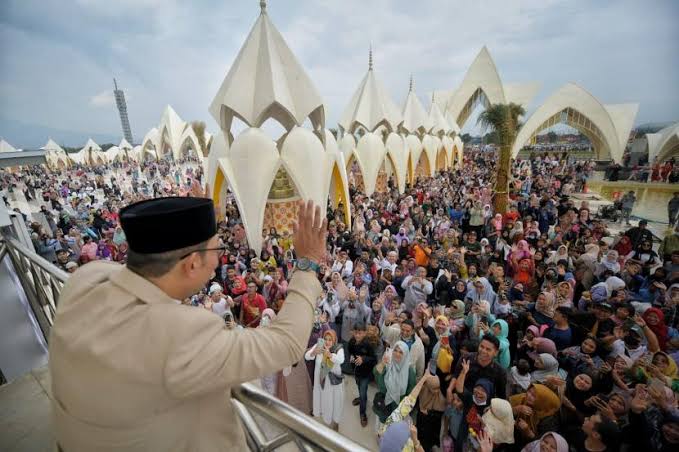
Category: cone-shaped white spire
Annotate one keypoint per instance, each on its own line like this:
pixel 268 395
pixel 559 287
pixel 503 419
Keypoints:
pixel 414 116
pixel 266 80
pixel 370 105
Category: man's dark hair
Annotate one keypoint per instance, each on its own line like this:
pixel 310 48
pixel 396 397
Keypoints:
pixel 359 326
pixel 471 345
pixel 408 322
pixel 408 315
pixel 492 339
pixel 564 311
pixel 609 432
pixel 156 265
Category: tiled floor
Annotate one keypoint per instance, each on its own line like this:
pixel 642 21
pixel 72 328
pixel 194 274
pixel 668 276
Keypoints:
pixel 25 414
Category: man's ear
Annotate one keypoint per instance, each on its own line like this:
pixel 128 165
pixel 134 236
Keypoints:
pixel 190 264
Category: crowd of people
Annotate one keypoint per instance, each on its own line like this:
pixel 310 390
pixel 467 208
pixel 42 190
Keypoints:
pixel 661 172
pixel 534 329
pixel 77 221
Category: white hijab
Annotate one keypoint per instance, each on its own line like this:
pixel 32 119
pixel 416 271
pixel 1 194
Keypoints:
pixel 396 376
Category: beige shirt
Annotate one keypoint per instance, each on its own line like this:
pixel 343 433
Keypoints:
pixel 132 370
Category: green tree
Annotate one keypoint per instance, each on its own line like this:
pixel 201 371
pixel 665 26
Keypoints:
pixel 199 129
pixel 552 136
pixel 504 120
pixel 466 138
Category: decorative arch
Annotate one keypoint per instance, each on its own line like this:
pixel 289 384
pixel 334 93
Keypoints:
pixel 423 168
pixel 190 142
pixel 575 107
pixel 338 194
pixel 671 149
pixel 355 173
pixel 441 160
pixel 481 84
pixel 664 144
pixel 387 170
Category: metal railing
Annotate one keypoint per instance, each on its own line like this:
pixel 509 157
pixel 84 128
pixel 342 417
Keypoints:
pixel 41 280
pixel 268 422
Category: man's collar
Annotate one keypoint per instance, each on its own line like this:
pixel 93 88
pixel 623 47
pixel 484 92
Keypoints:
pixel 144 289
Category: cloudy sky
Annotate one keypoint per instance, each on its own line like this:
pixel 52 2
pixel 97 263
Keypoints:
pixel 58 57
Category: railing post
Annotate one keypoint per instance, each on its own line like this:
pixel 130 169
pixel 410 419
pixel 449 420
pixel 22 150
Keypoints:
pixel 44 322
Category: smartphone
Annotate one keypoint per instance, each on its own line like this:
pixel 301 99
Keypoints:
pixel 445 340
pixel 321 343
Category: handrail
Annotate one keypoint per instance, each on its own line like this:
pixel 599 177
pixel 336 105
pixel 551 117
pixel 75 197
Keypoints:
pixel 36 259
pixel 42 282
pixel 317 435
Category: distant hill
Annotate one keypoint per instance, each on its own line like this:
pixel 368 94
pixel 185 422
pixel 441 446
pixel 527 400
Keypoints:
pixel 652 127
pixel 32 136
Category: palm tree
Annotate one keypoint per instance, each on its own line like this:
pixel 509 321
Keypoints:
pixel 199 130
pixel 503 119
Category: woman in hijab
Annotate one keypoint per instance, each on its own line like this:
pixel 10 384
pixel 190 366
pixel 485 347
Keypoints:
pixel 542 313
pixel 328 391
pixel 575 399
pixel 549 442
pixel 609 263
pixel 104 251
pixel 119 236
pixel 475 402
pixel 655 319
pixel 395 378
pixel 536 412
pixel 662 367
pixel 517 232
pixel 456 316
pixel 624 248
pixel 498 422
pixel 603 291
pixel 546 366
pixel 432 404
pixel 564 294
pixel 581 358
pixel 561 254
pixel 459 291
pixel 481 289
pixel 478 315
pixel 398 434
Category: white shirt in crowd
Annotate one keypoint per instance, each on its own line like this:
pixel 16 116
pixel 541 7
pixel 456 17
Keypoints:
pixel 345 269
pixel 221 307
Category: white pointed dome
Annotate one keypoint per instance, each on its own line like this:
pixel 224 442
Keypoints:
pixel 6 147
pixel 266 80
pixel 91 146
pixel 52 146
pixel 125 145
pixel 415 119
pixel 370 106
pixel 453 125
pixel 437 120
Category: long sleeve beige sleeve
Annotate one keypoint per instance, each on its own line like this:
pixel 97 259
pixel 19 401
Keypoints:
pixel 205 356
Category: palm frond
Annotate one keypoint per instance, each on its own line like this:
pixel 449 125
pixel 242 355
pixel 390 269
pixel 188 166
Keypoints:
pixel 503 119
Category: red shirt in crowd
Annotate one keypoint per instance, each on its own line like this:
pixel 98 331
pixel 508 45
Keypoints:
pixel 251 309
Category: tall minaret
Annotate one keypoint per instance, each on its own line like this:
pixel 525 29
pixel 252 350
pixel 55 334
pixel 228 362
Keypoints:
pixel 122 110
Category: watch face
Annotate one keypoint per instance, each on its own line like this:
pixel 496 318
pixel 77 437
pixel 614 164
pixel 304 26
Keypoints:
pixel 303 264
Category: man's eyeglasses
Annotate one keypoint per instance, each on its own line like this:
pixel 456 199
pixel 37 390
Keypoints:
pixel 222 251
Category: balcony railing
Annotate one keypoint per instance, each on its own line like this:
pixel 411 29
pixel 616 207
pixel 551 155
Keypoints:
pixel 269 423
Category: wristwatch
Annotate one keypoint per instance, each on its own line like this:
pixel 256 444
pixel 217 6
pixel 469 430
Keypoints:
pixel 307 265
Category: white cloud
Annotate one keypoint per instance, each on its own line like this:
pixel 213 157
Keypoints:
pixel 103 99
pixel 178 53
